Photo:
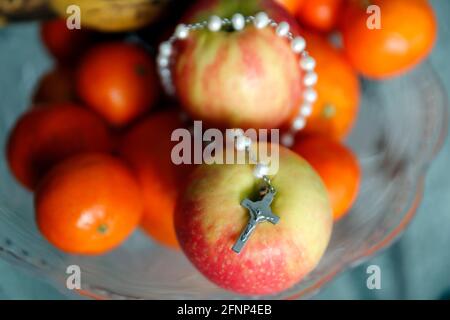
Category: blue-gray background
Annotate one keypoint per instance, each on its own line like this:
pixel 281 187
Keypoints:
pixel 415 267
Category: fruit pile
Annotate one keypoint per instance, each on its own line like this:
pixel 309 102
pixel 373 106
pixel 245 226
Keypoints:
pixel 95 146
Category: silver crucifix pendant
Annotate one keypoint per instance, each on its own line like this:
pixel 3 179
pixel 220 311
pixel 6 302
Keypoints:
pixel 260 211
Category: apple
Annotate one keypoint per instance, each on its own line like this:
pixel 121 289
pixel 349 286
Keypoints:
pixel 249 78
pixel 209 219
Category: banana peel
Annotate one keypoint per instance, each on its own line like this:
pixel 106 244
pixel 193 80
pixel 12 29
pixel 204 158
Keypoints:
pixel 113 15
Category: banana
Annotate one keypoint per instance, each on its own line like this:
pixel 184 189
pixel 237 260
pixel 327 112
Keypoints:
pixel 113 15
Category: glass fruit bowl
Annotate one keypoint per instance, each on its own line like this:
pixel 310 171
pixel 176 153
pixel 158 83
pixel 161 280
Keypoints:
pixel 401 126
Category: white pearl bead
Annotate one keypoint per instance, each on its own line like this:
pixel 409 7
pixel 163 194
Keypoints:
pixel 261 20
pixel 165 48
pixel 306 109
pixel 287 140
pixel 242 142
pixel 310 79
pixel 261 170
pixel 298 123
pixel 181 32
pixel 163 61
pixel 214 23
pixel 238 21
pixel 164 72
pixel 298 44
pixel 167 82
pixel 234 133
pixel 283 29
pixel 310 95
pixel 307 63
pixel 170 89
pixel 240 146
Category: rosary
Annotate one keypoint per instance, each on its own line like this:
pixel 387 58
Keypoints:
pixel 260 211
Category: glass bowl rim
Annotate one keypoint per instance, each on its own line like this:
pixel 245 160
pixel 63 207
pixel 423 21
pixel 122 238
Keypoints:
pixel 376 249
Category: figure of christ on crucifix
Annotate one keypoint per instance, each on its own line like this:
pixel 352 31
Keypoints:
pixel 260 211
